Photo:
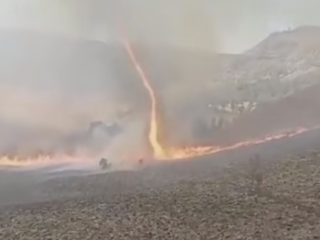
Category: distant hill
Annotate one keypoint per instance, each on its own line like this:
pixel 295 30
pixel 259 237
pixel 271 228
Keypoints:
pixel 286 66
pixel 82 81
pixel 280 78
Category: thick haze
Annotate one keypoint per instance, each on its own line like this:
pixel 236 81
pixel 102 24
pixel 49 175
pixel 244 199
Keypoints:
pixel 55 83
pixel 235 25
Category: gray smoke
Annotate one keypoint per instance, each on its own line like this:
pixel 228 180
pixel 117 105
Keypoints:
pixel 53 82
pixel 238 25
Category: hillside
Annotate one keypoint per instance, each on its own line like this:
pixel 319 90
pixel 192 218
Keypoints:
pixel 274 86
pixel 84 81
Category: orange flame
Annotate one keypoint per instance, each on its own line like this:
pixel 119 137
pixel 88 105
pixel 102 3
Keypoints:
pixel 40 160
pixel 188 152
pixel 154 133
pixel 163 153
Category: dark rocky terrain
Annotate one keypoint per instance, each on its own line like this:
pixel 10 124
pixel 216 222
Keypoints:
pixel 229 196
pixel 223 207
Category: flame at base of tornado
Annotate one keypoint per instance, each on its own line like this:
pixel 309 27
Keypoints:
pixel 160 151
pixel 168 154
pixel 189 152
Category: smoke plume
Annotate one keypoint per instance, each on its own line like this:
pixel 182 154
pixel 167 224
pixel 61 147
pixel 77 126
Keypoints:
pixel 54 83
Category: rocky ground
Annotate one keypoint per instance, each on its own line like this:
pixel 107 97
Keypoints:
pixel 238 200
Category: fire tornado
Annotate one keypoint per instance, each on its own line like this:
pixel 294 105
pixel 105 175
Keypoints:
pixel 161 151
pixel 154 129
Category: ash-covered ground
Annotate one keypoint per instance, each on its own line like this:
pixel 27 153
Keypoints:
pixel 231 195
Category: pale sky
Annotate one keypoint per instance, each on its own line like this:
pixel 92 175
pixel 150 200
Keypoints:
pixel 225 25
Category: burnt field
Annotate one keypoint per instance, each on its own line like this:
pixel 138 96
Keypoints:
pixel 225 196
pixel 159 120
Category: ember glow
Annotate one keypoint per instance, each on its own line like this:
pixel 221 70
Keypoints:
pixel 41 160
pixel 159 148
pixel 9 161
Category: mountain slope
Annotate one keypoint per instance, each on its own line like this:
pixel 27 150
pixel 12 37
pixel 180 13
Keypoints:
pixel 82 81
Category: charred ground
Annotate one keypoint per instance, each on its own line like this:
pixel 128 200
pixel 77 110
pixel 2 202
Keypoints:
pixel 230 196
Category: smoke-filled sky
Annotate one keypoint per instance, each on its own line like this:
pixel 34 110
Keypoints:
pixel 223 25
pixel 51 84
